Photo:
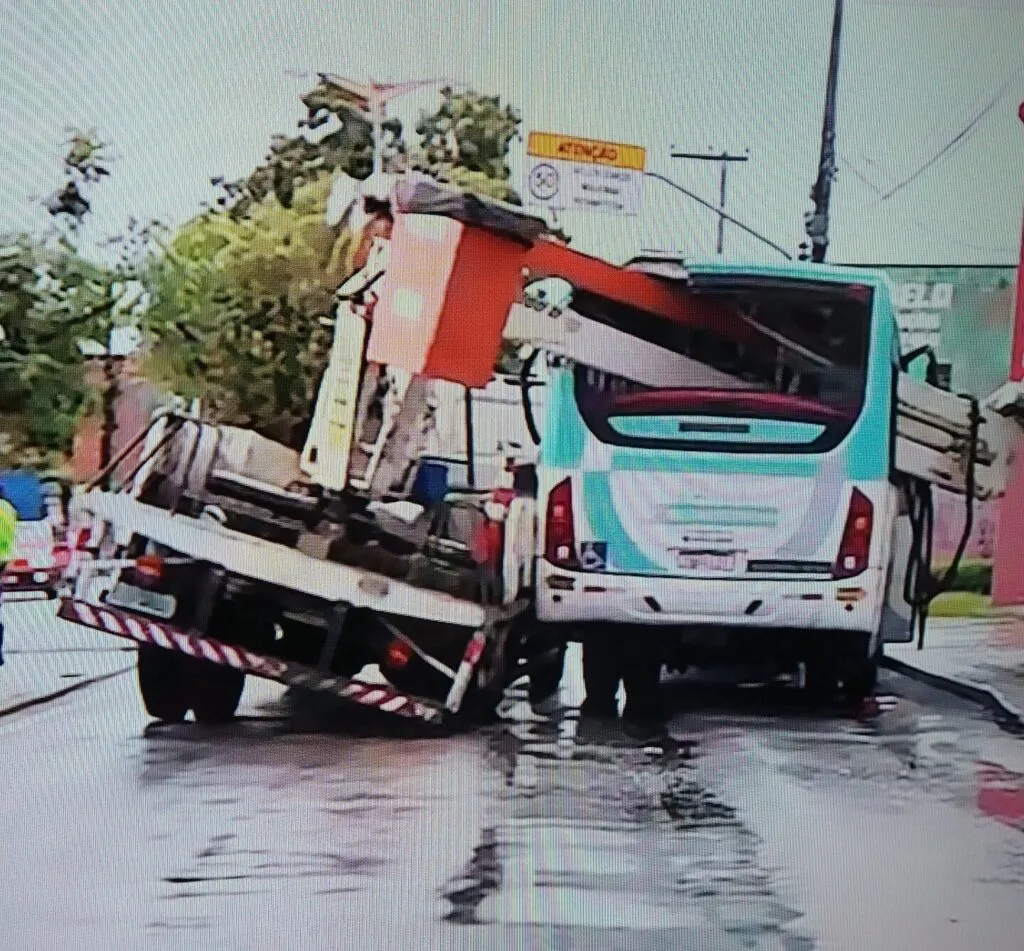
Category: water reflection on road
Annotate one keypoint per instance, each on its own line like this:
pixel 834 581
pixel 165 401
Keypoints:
pixel 751 821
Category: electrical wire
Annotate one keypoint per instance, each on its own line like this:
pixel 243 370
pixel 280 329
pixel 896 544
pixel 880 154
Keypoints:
pixel 923 227
pixel 957 139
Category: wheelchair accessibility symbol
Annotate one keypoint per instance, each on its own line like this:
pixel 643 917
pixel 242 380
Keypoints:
pixel 594 555
pixel 543 182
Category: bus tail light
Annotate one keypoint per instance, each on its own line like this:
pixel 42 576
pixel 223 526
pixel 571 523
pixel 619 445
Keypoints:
pixel 560 527
pixel 856 544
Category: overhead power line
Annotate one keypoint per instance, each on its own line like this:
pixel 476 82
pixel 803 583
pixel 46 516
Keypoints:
pixel 957 139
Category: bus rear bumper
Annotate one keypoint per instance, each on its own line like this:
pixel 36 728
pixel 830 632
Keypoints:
pixel 583 598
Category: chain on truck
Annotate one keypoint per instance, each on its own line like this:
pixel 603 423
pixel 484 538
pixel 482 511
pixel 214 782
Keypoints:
pixel 729 457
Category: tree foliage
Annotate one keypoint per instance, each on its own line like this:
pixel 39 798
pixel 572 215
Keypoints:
pixel 240 297
pixel 237 308
pixel 466 142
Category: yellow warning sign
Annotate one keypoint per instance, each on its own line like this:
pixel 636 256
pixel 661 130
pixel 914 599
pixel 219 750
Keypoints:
pixel 566 148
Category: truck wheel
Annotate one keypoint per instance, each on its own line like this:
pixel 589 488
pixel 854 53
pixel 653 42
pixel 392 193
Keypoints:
pixel 215 691
pixel 162 683
pixel 545 681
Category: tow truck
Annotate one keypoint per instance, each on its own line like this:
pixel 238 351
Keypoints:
pixel 354 568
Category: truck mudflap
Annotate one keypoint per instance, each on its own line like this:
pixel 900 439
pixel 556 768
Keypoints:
pixel 383 697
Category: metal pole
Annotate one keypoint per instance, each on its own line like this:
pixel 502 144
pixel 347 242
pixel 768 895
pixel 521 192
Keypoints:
pixel 721 204
pixel 376 118
pixel 724 158
pixel 470 439
pixel 821 193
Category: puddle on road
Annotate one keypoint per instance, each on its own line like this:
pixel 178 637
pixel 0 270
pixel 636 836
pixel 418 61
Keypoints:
pixel 617 844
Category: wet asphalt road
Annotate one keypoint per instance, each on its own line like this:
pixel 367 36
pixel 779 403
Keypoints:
pixel 756 823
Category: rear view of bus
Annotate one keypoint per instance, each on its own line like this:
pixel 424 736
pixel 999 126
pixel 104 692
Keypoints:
pixel 731 494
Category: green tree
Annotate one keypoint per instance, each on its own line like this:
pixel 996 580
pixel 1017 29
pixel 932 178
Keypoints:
pixel 237 309
pixel 466 142
pixel 52 297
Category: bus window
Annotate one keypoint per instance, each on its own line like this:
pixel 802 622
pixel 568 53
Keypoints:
pixel 797 383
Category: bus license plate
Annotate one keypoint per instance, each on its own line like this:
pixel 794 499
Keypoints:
pixel 719 562
pixel 132 598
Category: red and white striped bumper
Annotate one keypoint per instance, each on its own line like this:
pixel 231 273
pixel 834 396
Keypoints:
pixel 145 631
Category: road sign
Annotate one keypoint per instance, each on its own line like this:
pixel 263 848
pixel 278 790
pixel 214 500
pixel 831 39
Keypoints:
pixel 564 173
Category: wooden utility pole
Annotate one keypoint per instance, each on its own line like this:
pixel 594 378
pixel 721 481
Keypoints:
pixel 724 158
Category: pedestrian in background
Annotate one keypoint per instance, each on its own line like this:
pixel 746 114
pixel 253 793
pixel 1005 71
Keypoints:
pixel 8 531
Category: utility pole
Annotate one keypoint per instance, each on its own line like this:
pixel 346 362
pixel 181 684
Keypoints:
pixel 816 222
pixel 724 158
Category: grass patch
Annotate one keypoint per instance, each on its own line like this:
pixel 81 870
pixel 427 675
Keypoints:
pixel 962 604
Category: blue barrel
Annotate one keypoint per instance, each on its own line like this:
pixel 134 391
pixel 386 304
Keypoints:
pixel 24 490
pixel 431 484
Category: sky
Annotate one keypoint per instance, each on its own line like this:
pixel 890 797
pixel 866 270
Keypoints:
pixel 187 91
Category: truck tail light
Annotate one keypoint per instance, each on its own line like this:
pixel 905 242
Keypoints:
pixel 397 655
pixel 856 543
pixel 149 567
pixel 560 527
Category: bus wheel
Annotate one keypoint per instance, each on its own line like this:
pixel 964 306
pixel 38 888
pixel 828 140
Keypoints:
pixel 821 681
pixel 162 683
pixel 861 681
pixel 601 673
pixel 545 681
pixel 641 676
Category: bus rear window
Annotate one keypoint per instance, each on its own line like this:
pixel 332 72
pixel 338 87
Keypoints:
pixel 785 373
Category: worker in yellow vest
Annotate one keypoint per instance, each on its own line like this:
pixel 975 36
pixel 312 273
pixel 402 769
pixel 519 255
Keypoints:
pixel 8 531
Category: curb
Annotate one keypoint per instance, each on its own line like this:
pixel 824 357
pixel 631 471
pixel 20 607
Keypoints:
pixel 1005 713
pixel 63 692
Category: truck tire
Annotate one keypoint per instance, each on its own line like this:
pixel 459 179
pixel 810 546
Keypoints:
pixel 215 691
pixel 162 683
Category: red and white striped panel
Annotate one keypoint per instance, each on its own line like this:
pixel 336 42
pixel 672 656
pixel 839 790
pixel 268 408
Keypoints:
pixel 146 631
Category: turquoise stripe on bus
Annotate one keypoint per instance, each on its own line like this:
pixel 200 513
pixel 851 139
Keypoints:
pixel 565 434
pixel 625 459
pixel 724 516
pixel 623 554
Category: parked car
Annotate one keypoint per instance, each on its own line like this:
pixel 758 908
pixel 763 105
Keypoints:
pixel 41 551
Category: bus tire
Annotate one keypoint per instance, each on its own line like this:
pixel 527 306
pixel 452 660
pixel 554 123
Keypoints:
pixel 545 681
pixel 821 682
pixel 601 674
pixel 861 681
pixel 641 677
pixel 162 683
